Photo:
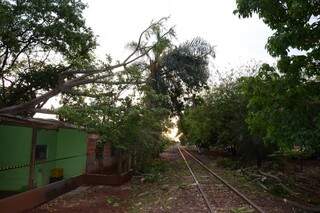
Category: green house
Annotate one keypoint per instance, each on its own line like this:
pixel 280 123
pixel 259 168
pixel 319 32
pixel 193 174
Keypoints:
pixel 31 149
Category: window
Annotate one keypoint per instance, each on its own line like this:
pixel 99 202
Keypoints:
pixel 41 152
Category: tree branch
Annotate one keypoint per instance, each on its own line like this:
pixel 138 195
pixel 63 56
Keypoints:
pixel 87 77
pixel 27 106
pixel 87 94
pixel 4 62
pixel 45 111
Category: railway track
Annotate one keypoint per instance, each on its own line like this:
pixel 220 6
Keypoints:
pixel 211 208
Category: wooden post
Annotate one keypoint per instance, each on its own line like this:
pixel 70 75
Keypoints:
pixel 32 158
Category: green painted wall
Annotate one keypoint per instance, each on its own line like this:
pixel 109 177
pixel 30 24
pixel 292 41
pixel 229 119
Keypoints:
pixel 66 148
pixel 71 144
pixel 15 146
pixel 43 171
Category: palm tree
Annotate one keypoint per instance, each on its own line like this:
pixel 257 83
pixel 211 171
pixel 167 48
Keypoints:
pixel 175 72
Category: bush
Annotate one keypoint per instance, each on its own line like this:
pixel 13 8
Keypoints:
pixel 153 170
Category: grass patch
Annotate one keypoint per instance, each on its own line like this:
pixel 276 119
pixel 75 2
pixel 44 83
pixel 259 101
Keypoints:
pixel 153 172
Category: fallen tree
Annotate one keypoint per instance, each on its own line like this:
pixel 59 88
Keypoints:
pixel 48 51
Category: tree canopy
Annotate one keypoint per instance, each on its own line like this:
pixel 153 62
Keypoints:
pixel 284 100
pixel 38 41
pixel 296 37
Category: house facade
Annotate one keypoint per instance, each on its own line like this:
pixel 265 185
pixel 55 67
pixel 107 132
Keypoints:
pixel 42 159
pixel 33 152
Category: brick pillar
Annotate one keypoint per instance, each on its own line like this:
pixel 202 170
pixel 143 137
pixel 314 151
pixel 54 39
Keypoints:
pixel 92 164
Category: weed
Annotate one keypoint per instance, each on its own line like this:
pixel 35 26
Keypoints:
pixel 154 170
pixel 113 201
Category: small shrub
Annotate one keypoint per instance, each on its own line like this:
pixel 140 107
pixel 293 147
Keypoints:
pixel 155 166
pixel 153 171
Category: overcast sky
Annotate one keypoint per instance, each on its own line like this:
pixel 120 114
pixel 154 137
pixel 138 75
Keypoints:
pixel 237 41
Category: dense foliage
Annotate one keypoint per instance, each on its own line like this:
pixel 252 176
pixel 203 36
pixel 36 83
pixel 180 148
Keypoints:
pixel 283 114
pixel 276 108
pixel 38 41
pixel 219 120
pixel 133 129
pixel 284 101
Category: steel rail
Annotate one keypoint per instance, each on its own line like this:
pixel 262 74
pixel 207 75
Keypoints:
pixel 223 181
pixel 211 210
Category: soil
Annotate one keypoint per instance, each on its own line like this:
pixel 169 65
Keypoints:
pixel 172 191
pixel 88 199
